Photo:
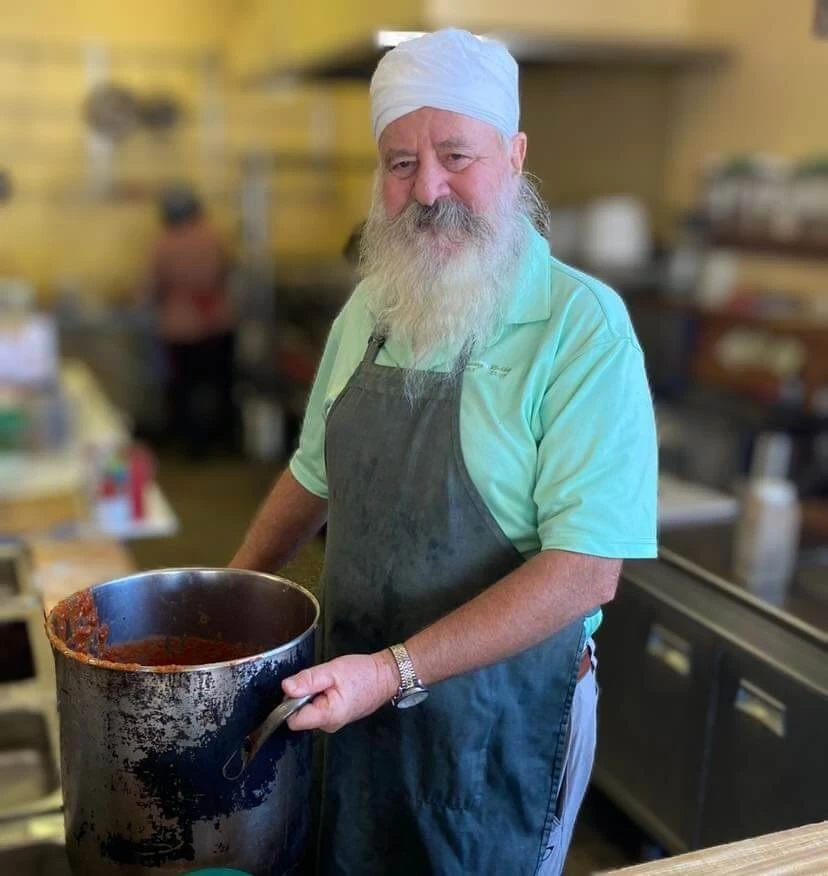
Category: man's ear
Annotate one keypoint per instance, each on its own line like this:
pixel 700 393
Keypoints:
pixel 518 152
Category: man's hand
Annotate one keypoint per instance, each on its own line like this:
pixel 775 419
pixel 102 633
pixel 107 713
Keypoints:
pixel 347 689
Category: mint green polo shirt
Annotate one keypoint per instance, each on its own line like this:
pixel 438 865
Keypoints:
pixel 556 417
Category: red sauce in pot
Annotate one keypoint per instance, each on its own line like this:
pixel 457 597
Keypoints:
pixel 76 623
pixel 178 650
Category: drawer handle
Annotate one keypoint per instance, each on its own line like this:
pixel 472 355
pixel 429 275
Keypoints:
pixel 671 650
pixel 762 707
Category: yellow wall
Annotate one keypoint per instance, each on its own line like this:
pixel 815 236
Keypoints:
pixel 272 34
pixel 616 19
pixel 49 233
pixel 174 23
pixel 591 131
pixel 595 131
pixel 772 98
pixel 56 236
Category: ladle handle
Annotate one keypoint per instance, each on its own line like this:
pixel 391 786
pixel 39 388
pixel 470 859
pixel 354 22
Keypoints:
pixel 254 741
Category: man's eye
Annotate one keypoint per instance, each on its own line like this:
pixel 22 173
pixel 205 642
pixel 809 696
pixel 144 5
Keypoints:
pixel 456 160
pixel 402 168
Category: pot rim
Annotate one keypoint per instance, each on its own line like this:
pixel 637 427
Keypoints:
pixel 60 647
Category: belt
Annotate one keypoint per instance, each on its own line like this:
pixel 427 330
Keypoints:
pixel 585 665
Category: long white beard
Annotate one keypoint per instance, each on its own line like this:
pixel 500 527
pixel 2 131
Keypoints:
pixel 437 299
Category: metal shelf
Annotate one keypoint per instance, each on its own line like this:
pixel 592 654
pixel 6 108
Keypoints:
pixel 69 53
pixel 358 60
pixel 769 246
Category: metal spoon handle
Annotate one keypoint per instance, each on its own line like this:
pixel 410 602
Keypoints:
pixel 254 741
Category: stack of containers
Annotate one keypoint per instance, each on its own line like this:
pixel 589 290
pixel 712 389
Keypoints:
pixel 29 740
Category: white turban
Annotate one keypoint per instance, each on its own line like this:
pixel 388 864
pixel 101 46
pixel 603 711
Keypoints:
pixel 448 70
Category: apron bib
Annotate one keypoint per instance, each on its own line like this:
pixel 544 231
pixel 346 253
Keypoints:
pixel 466 782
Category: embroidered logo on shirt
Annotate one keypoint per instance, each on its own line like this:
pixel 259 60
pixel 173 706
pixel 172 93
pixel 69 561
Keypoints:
pixel 494 370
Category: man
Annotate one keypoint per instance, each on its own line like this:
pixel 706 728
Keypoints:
pixel 480 440
pixel 195 320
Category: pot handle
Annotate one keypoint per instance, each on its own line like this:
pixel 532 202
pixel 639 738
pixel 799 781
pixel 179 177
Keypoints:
pixel 253 742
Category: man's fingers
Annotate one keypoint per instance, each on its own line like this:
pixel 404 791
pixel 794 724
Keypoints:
pixel 314 715
pixel 309 681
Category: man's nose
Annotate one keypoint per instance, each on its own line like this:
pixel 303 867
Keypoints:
pixel 431 183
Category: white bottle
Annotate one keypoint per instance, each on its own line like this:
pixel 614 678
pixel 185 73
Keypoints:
pixel 767 538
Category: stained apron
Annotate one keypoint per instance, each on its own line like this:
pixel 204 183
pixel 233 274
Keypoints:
pixel 466 782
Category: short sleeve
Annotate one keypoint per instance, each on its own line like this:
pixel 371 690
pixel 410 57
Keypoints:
pixel 597 477
pixel 308 462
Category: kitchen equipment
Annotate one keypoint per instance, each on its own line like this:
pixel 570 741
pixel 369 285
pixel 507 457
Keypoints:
pixel 28 349
pixel 253 743
pixel 112 111
pixel 142 747
pixel 772 455
pixel 767 537
pixel 33 846
pixel 160 112
pixel 615 234
pixel 564 232
pixel 684 266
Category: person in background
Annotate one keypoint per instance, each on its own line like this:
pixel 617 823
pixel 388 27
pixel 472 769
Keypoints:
pixel 480 439
pixel 195 321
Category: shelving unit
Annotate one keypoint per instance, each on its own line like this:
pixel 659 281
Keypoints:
pixel 770 246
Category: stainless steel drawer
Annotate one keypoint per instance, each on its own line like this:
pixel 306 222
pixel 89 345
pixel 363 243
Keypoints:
pixel 656 674
pixel 768 767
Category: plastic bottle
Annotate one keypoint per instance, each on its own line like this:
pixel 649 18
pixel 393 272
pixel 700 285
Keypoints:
pixel 767 538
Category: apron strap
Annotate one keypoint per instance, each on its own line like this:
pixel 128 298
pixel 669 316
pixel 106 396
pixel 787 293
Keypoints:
pixel 375 344
pixel 462 360
pixel 377 341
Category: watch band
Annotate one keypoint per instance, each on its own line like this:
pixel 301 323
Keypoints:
pixel 408 675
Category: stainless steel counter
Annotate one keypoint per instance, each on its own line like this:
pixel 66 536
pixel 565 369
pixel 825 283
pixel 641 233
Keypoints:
pixel 714 701
pixel 707 552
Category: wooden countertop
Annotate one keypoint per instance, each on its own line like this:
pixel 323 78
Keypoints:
pixel 61 568
pixel 802 851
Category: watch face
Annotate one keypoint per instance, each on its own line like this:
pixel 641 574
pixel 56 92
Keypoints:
pixel 412 698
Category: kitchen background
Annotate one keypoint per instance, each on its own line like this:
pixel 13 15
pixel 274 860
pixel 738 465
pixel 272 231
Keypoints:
pixel 683 149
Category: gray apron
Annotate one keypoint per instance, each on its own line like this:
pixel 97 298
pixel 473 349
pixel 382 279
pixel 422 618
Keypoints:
pixel 466 782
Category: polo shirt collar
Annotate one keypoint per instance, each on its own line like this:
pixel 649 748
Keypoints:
pixel 531 300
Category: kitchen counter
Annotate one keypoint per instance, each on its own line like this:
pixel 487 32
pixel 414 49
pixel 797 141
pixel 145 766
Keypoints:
pixel 60 568
pixel 46 493
pixel 802 851
pixel 707 552
pixel 714 700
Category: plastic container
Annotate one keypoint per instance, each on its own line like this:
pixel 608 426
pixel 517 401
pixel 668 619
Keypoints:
pixel 767 538
pixel 615 233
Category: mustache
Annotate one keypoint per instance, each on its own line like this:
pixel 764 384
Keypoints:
pixel 447 216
